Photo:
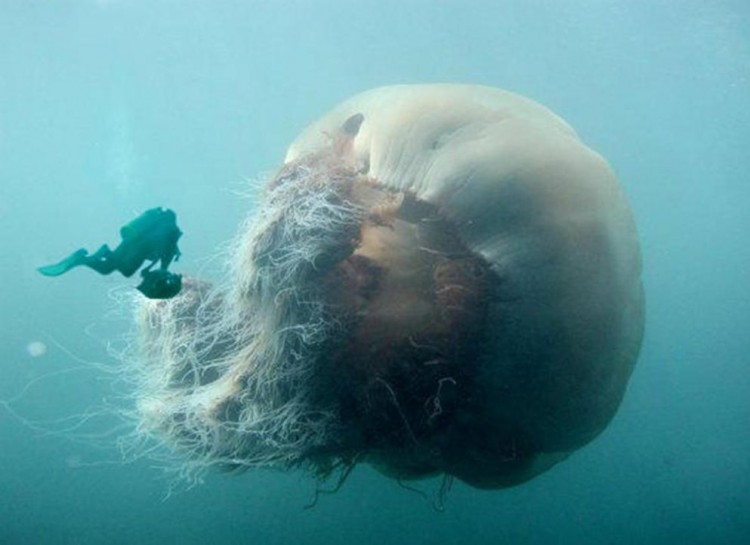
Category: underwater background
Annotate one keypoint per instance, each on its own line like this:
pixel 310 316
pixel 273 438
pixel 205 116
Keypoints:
pixel 108 108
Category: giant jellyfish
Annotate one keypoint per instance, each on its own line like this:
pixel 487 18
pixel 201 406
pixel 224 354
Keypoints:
pixel 439 280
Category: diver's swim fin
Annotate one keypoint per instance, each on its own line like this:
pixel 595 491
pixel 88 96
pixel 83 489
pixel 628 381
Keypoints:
pixel 73 260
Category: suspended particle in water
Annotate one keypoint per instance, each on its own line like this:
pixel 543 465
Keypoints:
pixel 36 349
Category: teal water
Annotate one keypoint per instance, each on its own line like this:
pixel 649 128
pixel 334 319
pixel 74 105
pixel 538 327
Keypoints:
pixel 111 107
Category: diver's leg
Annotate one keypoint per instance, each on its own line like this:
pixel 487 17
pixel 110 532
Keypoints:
pixel 102 261
pixel 75 259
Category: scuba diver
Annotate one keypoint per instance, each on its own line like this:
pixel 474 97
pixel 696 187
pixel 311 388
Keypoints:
pixel 153 237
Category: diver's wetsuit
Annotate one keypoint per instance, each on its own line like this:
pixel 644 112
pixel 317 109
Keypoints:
pixel 153 237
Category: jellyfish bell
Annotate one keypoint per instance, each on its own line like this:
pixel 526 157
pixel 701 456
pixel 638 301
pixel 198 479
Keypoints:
pixel 441 279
